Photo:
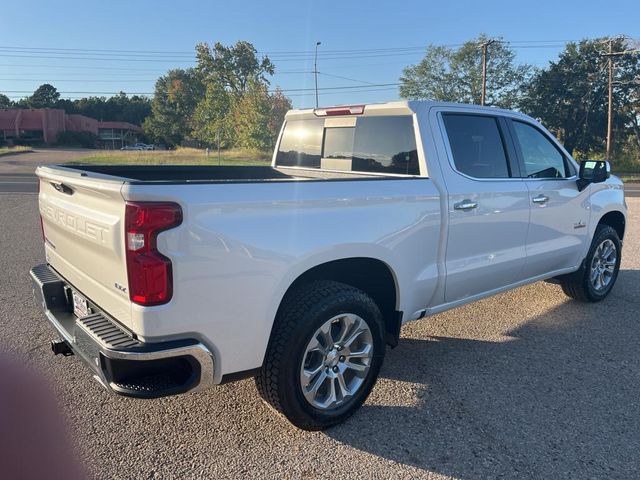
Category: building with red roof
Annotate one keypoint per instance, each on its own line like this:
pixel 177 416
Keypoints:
pixel 118 134
pixel 42 125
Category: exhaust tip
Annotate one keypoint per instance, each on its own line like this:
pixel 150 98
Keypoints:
pixel 60 347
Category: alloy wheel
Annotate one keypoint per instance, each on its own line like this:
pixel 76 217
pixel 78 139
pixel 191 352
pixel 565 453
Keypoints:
pixel 336 361
pixel 603 265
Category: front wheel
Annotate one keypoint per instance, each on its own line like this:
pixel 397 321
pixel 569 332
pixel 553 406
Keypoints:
pixel 324 355
pixel 595 279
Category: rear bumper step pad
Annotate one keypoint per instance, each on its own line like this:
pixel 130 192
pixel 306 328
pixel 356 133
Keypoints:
pixel 122 363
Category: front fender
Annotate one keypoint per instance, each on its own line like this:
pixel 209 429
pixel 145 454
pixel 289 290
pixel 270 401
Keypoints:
pixel 604 198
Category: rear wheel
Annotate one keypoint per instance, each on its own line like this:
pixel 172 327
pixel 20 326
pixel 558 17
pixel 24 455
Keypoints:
pixel 595 279
pixel 324 355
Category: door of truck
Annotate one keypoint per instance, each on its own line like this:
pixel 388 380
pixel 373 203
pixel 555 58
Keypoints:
pixel 559 212
pixel 488 205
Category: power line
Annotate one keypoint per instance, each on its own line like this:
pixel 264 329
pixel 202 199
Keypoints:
pixel 91 50
pixel 305 94
pixel 267 52
pixel 343 87
pixel 151 55
pixel 98 54
pixel 191 59
pixel 112 56
pixel 192 63
pixel 559 81
pixel 84 67
pixel 49 57
pixel 349 92
pixel 343 78
pixel 47 79
pixel 159 71
pixel 83 80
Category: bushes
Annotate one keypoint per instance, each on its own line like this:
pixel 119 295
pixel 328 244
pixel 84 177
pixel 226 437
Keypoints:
pixel 78 139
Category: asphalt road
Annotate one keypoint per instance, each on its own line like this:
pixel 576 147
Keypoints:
pixel 16 171
pixel 632 189
pixel 527 384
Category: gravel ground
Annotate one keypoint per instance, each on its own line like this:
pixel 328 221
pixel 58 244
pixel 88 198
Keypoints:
pixel 526 384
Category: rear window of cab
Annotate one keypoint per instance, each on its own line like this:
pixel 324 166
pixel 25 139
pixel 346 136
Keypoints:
pixel 384 144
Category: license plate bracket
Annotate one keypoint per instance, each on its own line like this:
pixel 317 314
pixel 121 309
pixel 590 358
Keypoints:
pixel 80 305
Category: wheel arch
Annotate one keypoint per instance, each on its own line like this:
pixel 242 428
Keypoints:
pixel 616 220
pixel 371 275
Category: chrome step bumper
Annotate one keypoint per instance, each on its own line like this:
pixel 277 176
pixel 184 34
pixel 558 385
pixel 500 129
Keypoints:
pixel 119 361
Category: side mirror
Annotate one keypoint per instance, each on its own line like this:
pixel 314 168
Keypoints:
pixel 593 171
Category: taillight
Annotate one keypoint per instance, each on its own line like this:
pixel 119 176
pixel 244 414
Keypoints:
pixel 41 220
pixel 149 272
pixel 347 110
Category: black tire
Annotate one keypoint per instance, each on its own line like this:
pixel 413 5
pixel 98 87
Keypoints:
pixel 303 312
pixel 578 285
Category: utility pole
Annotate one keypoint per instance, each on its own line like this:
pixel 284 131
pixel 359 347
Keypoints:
pixel 315 70
pixel 484 46
pixel 611 66
pixel 610 106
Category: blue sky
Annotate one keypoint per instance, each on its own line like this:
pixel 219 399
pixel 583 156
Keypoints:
pixel 288 30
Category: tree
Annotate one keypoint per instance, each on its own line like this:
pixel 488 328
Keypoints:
pixel 121 107
pixel 570 95
pixel 455 75
pixel 176 95
pixel 210 122
pixel 280 105
pixel 132 109
pixel 225 100
pixel 634 115
pixel 236 102
pixel 45 96
pixel 5 102
pixel 250 117
pixel 626 96
pixel 256 117
pixel 233 67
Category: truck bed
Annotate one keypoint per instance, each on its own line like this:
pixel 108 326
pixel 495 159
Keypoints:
pixel 215 174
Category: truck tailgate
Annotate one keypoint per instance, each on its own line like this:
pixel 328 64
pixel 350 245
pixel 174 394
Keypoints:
pixel 83 219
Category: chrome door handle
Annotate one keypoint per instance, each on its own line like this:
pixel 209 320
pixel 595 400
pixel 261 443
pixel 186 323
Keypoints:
pixel 465 205
pixel 540 199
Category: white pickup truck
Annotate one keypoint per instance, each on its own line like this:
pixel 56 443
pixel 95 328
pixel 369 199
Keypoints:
pixel 168 279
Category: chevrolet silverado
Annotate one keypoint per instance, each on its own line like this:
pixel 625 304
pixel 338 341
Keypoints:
pixel 170 279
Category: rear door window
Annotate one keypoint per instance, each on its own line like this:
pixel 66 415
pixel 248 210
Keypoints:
pixel 338 142
pixel 338 148
pixel 384 144
pixel 476 145
pixel 301 144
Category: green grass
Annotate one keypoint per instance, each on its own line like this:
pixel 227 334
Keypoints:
pixel 628 177
pixel 628 171
pixel 179 156
pixel 626 165
pixel 12 150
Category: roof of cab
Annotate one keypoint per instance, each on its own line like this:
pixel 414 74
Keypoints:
pixel 402 107
pixel 386 108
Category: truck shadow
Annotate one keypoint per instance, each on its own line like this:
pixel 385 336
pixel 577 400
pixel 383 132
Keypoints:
pixel 557 397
